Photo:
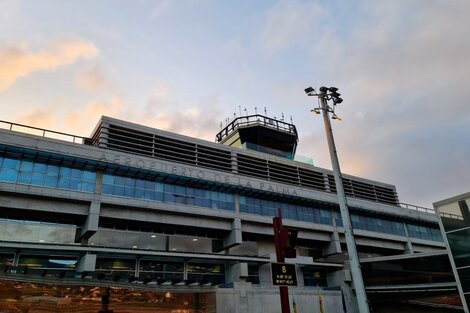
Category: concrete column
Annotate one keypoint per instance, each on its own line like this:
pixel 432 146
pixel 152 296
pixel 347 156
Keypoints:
pixel 236 273
pixel 265 275
pixel 91 224
pixel 342 279
pixel 334 246
pixel 236 201
pixel 300 276
pixel 349 298
pixel 235 277
pixel 16 258
pixel 87 263
pixel 234 238
pixel 409 245
pixel 137 268
pixel 185 270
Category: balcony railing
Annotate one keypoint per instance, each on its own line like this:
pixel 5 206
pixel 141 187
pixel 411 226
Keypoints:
pixel 45 132
pixel 257 119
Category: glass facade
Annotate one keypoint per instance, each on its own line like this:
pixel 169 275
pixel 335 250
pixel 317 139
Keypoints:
pixel 34 231
pixel 326 216
pixel 155 269
pixel 165 192
pixel 418 270
pixel 31 172
pixel 206 273
pixel 289 211
pixel 455 225
pixel 150 241
pixel 377 225
pixel 47 262
pixel 120 266
pixel 253 274
pixel 424 232
pixel 314 276
pixel 6 259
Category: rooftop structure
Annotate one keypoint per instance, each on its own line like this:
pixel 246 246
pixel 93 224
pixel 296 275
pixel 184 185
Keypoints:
pixel 260 133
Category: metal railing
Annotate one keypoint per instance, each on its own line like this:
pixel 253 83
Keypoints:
pixel 430 211
pixel 256 120
pixel 45 132
pixel 417 208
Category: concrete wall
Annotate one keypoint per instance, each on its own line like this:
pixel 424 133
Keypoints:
pixel 246 298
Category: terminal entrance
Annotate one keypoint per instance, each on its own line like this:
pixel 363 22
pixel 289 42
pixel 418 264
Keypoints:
pixel 18 296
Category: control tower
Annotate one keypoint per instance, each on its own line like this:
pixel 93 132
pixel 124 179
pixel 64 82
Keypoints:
pixel 261 133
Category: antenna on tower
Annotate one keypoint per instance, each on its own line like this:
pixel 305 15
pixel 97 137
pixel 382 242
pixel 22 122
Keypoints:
pixel 265 112
pixel 291 120
pixel 221 125
pixel 282 114
pixel 240 109
pixel 234 115
pixel 246 112
pixel 256 110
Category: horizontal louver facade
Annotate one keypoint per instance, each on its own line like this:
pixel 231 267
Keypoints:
pixel 126 139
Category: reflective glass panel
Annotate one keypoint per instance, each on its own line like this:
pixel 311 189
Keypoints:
pixel 31 172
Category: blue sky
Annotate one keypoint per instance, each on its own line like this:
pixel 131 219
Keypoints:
pixel 185 66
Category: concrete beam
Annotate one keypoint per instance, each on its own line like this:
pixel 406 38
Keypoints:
pixel 87 263
pixel 334 246
pixel 234 238
pixel 91 224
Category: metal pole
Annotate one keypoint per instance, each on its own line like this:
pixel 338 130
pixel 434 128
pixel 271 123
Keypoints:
pixel 355 266
pixel 283 291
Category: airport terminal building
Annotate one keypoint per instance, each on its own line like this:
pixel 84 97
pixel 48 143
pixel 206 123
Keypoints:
pixel 178 224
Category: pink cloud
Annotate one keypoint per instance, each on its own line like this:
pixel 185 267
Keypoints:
pixel 17 61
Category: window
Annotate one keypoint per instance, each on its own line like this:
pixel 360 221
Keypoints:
pixel 165 192
pixel 31 172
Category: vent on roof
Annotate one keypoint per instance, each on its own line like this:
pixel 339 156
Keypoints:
pixel 251 166
pixel 129 140
pixel 365 191
pixel 178 150
pixel 312 179
pixel 174 150
pixel 152 145
pixel 283 173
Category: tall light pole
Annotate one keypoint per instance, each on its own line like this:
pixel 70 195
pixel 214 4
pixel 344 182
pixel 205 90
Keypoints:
pixel 324 95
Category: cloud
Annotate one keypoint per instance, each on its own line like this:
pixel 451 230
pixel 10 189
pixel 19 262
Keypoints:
pixel 38 118
pixel 406 112
pixel 92 80
pixel 16 61
pixel 10 9
pixel 290 22
pixel 198 120
pixel 108 33
pixel 82 121
pixel 162 7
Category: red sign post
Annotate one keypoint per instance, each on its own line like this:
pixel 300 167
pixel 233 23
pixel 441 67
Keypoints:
pixel 284 241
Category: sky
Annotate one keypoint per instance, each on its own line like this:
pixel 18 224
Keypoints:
pixel 402 67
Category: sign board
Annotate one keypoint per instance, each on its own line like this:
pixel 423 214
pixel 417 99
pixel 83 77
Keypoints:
pixel 283 274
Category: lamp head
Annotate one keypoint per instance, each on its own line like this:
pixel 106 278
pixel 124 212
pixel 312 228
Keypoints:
pixel 333 89
pixel 315 111
pixel 338 100
pixel 309 90
pixel 335 95
pixel 336 118
pixel 323 89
